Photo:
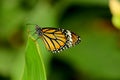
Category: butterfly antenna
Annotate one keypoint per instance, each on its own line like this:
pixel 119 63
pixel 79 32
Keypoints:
pixel 31 24
pixel 28 29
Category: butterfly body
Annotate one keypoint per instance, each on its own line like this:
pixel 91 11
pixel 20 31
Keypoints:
pixel 57 39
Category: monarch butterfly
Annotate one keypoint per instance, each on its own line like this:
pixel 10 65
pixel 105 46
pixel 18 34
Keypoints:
pixel 57 39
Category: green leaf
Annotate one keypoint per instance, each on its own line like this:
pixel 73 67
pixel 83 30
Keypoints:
pixel 34 65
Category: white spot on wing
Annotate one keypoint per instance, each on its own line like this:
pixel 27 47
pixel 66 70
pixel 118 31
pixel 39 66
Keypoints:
pixel 69 36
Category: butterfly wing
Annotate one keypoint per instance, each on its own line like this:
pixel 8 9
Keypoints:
pixel 54 39
pixel 75 38
pixel 57 39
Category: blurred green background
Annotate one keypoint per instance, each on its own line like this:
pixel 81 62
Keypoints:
pixel 96 57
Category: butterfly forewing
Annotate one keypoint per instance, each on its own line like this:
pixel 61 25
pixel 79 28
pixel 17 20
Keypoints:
pixel 75 38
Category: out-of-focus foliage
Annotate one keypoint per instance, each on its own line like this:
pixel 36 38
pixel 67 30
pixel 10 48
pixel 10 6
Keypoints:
pixel 115 10
pixel 96 57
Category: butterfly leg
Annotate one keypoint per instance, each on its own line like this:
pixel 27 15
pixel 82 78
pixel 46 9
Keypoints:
pixel 36 38
pixel 34 33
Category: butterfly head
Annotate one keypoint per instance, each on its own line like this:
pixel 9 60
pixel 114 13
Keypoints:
pixel 38 30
